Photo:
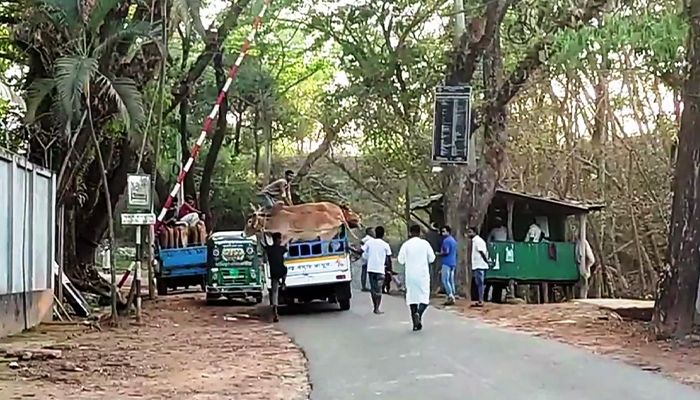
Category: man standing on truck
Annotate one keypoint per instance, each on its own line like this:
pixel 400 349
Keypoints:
pixel 378 255
pixel 278 191
pixel 192 217
pixel 278 271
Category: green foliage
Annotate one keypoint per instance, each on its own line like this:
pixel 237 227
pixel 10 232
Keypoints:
pixel 657 37
pixel 80 71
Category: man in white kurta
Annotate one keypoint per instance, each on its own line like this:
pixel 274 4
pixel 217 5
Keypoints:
pixel 416 254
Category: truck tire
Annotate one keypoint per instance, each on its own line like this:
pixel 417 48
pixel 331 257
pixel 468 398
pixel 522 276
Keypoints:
pixel 162 287
pixel 258 298
pixel 344 304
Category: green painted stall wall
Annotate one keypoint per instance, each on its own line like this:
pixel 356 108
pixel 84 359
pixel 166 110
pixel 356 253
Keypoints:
pixel 532 262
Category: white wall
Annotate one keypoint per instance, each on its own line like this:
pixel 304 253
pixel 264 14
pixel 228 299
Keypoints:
pixel 27 225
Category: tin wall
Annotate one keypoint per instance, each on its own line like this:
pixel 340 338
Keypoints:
pixel 27 238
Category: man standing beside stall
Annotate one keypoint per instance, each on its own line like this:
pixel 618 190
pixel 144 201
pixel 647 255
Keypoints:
pixel 480 263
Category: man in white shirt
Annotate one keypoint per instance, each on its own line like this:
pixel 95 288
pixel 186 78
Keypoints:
pixel 583 250
pixel 377 253
pixel 534 234
pixel 480 263
pixel 498 234
pixel 416 254
pixel 369 234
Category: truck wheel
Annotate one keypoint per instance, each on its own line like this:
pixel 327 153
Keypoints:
pixel 344 304
pixel 162 287
pixel 258 299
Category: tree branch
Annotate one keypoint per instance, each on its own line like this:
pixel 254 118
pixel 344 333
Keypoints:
pixel 214 40
pixel 377 197
pixel 538 55
pixel 471 48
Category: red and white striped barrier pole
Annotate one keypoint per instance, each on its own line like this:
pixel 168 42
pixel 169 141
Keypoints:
pixel 212 116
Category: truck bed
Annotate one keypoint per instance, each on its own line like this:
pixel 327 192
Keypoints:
pixel 185 256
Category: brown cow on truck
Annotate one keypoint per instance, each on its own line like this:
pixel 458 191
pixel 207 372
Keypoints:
pixel 310 221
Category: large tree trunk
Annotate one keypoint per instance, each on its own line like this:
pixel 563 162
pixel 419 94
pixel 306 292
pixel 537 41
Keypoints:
pixel 214 147
pixel 678 286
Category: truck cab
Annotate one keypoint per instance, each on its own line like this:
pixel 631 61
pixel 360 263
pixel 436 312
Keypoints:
pixel 235 268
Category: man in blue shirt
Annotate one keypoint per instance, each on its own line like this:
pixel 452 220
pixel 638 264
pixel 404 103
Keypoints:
pixel 449 264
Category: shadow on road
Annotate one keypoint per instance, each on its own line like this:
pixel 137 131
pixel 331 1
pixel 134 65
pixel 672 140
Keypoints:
pixel 308 308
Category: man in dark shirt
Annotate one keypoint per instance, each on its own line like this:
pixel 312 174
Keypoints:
pixel 278 271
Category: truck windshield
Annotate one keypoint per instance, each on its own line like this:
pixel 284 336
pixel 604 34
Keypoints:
pixel 316 248
pixel 235 252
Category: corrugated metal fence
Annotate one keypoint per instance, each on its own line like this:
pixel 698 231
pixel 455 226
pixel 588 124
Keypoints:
pixel 27 226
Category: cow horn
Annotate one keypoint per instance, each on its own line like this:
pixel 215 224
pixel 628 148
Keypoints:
pixel 252 207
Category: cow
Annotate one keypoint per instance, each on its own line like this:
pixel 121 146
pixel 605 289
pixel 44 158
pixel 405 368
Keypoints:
pixel 302 222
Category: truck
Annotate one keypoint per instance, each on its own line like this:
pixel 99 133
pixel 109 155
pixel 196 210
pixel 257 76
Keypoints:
pixel 235 269
pixel 180 267
pixel 318 270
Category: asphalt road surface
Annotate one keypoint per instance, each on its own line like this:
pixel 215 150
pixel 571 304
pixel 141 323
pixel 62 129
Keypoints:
pixel 358 355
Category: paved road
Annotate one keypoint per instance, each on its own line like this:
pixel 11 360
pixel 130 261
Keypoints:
pixel 358 355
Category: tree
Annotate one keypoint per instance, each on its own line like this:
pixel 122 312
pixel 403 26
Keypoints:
pixel 87 63
pixel 678 287
pixel 470 190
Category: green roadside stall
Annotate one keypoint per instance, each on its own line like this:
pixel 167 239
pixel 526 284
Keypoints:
pixel 235 267
pixel 548 263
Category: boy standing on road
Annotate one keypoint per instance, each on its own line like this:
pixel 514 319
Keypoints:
pixel 278 271
pixel 480 263
pixel 378 256
pixel 449 264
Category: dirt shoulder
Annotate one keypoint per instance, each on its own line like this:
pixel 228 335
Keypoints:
pixel 602 332
pixel 185 350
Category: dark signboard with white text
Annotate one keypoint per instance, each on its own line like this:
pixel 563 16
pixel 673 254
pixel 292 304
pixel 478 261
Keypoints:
pixel 452 124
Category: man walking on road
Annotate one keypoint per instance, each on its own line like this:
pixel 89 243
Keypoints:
pixel 278 271
pixel 416 254
pixel 378 256
pixel 449 264
pixel 480 263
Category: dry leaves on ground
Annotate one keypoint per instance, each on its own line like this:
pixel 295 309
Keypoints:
pixel 185 350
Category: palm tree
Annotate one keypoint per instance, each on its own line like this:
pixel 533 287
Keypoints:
pixel 87 63
pixel 83 67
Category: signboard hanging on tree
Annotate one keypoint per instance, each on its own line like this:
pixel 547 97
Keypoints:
pixel 452 124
